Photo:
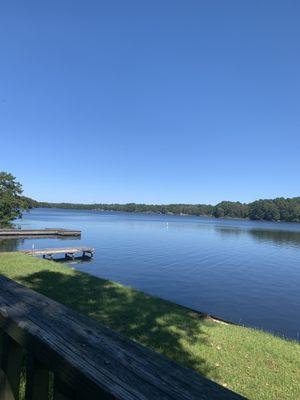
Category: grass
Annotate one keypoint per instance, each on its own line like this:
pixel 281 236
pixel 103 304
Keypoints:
pixel 253 363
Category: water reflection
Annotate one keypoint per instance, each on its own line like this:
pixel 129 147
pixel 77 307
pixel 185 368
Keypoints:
pixel 277 237
pixel 10 244
pixel 76 260
pixel 281 238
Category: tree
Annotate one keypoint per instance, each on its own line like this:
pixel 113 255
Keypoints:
pixel 232 209
pixel 264 209
pixel 11 201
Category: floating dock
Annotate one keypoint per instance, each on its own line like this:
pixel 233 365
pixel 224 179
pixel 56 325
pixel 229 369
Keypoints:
pixel 38 232
pixel 69 252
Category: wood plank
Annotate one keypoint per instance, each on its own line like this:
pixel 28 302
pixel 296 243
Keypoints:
pixel 37 380
pixel 92 359
pixel 11 365
pixel 61 391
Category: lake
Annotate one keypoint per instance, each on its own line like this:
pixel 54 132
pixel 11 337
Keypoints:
pixel 244 271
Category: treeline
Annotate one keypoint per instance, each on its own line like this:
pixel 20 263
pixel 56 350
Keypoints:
pixel 190 209
pixel 279 209
pixel 12 203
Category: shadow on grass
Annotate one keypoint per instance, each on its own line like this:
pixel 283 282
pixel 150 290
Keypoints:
pixel 163 326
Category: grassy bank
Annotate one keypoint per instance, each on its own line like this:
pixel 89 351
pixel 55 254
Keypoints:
pixel 253 363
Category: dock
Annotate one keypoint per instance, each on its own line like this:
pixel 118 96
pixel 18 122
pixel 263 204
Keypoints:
pixel 69 252
pixel 39 232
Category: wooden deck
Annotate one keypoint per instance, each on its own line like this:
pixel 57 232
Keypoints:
pixel 69 252
pixel 38 232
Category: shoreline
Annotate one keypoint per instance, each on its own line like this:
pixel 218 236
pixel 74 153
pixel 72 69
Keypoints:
pixel 251 362
pixel 276 209
pixel 166 214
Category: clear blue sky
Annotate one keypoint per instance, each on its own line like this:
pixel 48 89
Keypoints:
pixel 151 101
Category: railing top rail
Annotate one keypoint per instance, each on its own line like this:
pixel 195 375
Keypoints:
pixel 92 359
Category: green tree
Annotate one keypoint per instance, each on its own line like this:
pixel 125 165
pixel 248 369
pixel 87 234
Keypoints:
pixel 232 209
pixel 11 201
pixel 264 209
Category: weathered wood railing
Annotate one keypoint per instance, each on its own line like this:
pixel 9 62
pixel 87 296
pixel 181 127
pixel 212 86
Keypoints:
pixel 87 360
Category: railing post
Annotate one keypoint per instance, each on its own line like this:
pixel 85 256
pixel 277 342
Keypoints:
pixel 37 380
pixel 11 356
pixel 61 391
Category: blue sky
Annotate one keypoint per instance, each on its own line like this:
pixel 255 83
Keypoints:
pixel 151 101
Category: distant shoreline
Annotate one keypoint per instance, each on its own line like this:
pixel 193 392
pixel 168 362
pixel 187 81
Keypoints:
pixel 256 211
pixel 279 209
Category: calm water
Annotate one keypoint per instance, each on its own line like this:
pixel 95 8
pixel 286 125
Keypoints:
pixel 247 272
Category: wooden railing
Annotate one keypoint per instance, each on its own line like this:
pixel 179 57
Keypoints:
pixel 84 359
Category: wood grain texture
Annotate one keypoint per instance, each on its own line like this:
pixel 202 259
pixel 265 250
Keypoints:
pixel 92 360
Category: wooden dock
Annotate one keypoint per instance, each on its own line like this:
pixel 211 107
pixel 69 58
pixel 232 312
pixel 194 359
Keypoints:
pixel 39 232
pixel 69 252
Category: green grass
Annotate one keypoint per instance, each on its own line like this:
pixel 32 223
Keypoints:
pixel 250 362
